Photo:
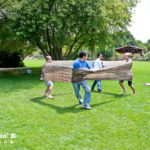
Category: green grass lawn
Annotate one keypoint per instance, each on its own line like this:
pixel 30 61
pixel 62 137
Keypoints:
pixel 115 122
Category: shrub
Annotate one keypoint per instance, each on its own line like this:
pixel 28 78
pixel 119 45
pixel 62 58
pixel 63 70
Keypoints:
pixel 8 59
pixel 147 57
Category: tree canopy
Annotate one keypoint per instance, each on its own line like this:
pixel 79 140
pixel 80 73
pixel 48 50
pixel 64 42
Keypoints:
pixel 61 27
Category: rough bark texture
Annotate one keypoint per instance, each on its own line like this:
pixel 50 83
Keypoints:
pixel 61 71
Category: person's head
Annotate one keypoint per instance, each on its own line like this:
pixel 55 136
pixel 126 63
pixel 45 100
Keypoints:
pixel 127 56
pixel 100 56
pixel 83 55
pixel 48 58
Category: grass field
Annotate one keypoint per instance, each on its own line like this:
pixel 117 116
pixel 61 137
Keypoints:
pixel 115 122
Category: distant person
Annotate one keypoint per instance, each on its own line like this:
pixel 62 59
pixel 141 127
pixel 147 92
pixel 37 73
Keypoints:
pixel 49 84
pixel 98 64
pixel 127 57
pixel 81 63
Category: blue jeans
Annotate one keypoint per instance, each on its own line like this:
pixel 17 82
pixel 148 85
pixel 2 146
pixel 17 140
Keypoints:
pixel 86 87
pixel 99 86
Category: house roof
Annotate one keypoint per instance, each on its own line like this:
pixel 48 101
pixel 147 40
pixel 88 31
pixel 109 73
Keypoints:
pixel 131 49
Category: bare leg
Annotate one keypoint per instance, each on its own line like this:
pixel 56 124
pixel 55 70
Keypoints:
pixel 47 89
pixel 50 91
pixel 133 89
pixel 122 85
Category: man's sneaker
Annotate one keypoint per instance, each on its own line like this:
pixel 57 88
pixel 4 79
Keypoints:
pixel 86 106
pixel 80 102
pixel 99 91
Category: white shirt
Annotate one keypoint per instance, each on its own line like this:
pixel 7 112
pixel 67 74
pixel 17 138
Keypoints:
pixel 97 64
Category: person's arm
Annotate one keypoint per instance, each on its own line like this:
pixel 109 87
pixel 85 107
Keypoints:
pixel 102 64
pixel 42 72
pixel 42 75
pixel 88 65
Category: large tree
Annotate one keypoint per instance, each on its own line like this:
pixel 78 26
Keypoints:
pixel 123 38
pixel 8 40
pixel 141 45
pixel 61 27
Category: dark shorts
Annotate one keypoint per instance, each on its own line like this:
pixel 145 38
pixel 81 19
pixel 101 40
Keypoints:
pixel 129 82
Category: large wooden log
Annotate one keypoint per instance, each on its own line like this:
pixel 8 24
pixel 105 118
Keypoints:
pixel 62 71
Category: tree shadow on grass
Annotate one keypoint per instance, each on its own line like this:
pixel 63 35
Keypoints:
pixel 63 110
pixel 115 95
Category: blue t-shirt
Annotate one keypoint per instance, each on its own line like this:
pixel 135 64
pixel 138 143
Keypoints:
pixel 78 64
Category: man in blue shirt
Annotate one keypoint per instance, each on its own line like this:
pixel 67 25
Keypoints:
pixel 81 63
pixel 98 65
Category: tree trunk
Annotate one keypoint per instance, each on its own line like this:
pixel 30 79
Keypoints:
pixel 93 51
pixel 42 49
pixel 57 53
pixel 80 45
pixel 60 54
